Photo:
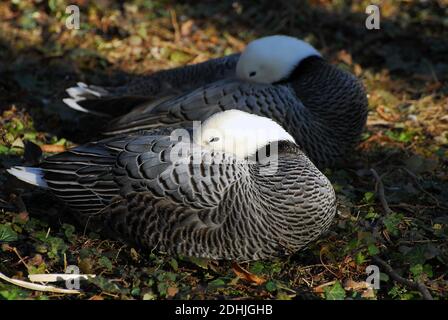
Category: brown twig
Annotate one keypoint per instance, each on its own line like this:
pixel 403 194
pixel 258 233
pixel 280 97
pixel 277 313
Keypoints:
pixel 325 266
pixel 246 275
pixel 175 25
pixel 414 285
pixel 14 249
pixel 379 187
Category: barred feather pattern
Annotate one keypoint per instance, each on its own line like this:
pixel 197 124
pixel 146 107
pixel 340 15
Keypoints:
pixel 218 208
pixel 180 79
pixel 323 107
pixel 149 90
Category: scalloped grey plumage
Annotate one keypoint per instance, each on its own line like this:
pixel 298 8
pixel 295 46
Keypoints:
pixel 220 208
pixel 323 107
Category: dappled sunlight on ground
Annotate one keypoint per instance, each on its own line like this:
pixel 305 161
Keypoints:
pixel 403 66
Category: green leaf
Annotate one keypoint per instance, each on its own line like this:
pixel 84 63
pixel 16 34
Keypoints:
pixel 149 296
pixel 135 292
pixel 4 149
pixel 275 267
pixel 85 253
pixel 400 293
pixel 403 136
pixel 427 268
pixel 257 267
pixel 416 270
pixel 37 270
pixel 271 286
pixel 105 285
pixel 200 262
pixel 369 197
pixel 180 57
pixel 61 142
pixel 351 245
pixel 7 234
pixel 360 258
pixel 216 284
pixel 174 264
pixel 31 136
pixel 13 293
pixel 335 292
pixel 170 276
pixel 384 277
pixel 105 263
pixel 69 230
pixel 372 215
pixel 416 255
pixel 282 296
pixel 392 221
pixel 57 247
pixel 162 287
pixel 373 249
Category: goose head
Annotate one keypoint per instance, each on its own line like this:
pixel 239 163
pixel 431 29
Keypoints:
pixel 272 59
pixel 240 133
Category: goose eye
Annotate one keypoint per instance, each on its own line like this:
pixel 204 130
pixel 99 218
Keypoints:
pixel 252 74
pixel 214 139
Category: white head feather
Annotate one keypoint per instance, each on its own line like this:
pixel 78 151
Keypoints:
pixel 271 59
pixel 239 132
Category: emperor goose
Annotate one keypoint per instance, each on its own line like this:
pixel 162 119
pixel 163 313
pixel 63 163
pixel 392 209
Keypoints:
pixel 228 204
pixel 283 78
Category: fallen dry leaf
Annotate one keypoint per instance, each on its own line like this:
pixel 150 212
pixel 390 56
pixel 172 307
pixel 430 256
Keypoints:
pixel 345 57
pixel 357 69
pixel 378 139
pixel 320 288
pixel 36 260
pixel 186 28
pixel 355 285
pixel 23 216
pixel 369 293
pixel 172 291
pixel 238 44
pixel 246 275
pixel 52 148
pixel 385 115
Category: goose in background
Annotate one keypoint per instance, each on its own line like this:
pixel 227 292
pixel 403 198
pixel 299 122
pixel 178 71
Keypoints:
pixel 228 204
pixel 149 89
pixel 280 77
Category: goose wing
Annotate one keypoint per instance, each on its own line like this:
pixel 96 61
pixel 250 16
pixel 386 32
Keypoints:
pixel 83 177
pixel 148 90
pixel 89 177
pixel 272 101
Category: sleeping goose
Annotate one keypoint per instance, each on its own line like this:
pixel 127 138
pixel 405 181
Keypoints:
pixel 280 77
pixel 242 190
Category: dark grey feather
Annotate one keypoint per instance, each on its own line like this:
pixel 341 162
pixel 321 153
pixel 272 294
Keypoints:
pixel 219 207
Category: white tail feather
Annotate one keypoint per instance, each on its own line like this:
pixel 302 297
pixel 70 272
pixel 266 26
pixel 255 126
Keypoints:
pixel 72 103
pixel 34 176
pixel 78 94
